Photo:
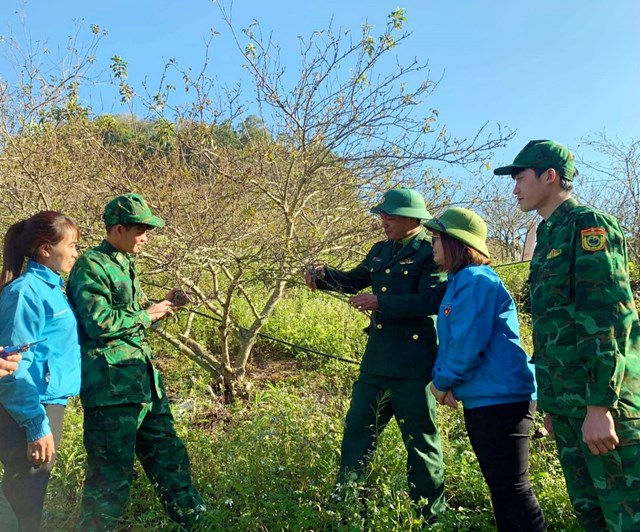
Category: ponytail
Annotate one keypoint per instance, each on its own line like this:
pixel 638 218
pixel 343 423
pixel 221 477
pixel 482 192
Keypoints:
pixel 25 238
pixel 12 253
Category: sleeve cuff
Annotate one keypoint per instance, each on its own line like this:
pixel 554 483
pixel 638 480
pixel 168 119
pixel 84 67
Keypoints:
pixel 145 319
pixel 327 282
pixel 37 428
pixel 598 395
pixel 440 383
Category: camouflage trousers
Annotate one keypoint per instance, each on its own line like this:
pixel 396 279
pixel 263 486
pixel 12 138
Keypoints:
pixel 113 436
pixel 604 489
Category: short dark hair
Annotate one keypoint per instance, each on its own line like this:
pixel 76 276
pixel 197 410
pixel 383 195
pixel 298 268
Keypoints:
pixel 565 184
pixel 129 226
pixel 458 255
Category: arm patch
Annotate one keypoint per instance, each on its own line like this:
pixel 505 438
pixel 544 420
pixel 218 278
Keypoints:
pixel 593 239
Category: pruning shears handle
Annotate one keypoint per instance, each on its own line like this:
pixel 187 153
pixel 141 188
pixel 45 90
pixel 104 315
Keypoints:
pixel 10 349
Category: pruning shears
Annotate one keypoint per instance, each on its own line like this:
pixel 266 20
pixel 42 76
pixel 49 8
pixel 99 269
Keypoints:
pixel 11 349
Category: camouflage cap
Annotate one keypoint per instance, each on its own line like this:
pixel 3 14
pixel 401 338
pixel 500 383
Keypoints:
pixel 130 209
pixel 542 155
pixel 403 202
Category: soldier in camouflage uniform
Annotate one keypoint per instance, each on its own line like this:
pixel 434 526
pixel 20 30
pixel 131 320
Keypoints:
pixel 407 289
pixel 126 412
pixel 586 340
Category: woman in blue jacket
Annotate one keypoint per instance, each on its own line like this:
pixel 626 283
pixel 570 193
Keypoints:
pixel 481 363
pixel 34 308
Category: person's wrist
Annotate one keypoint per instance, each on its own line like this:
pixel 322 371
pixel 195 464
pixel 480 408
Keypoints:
pixel 597 409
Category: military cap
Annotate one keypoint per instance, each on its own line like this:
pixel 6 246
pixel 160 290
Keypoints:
pixel 542 155
pixel 463 225
pixel 130 209
pixel 403 202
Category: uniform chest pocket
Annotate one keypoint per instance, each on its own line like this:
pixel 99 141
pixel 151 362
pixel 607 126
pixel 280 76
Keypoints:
pixel 399 277
pixel 406 269
pixel 375 266
pixel 122 294
pixel 62 322
pixel 554 285
pixel 400 272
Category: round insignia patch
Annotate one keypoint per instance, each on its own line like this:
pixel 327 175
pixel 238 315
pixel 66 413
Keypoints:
pixel 593 239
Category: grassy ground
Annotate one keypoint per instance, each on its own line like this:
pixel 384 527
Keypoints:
pixel 269 463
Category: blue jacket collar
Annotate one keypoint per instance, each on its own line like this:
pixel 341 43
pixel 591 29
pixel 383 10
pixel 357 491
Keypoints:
pixel 44 273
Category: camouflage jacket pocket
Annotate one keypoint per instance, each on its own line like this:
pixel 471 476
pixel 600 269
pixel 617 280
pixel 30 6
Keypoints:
pixel 117 351
pixel 553 287
pixel 129 377
pixel 562 381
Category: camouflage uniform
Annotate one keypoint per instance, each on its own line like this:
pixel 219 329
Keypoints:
pixel 586 345
pixel 126 409
pixel 398 362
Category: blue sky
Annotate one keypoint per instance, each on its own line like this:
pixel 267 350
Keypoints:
pixel 559 69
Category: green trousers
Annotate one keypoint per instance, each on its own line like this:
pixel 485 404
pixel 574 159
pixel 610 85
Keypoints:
pixel 113 436
pixel 374 401
pixel 604 489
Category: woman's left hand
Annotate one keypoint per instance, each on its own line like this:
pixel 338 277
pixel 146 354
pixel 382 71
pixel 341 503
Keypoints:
pixel 439 395
pixel 450 400
pixel 41 451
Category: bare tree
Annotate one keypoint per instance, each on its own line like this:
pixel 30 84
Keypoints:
pixel 612 183
pixel 509 228
pixel 338 134
pixel 253 192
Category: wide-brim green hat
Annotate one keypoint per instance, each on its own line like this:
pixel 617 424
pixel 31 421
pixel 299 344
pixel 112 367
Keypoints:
pixel 130 209
pixel 463 225
pixel 402 202
pixel 542 155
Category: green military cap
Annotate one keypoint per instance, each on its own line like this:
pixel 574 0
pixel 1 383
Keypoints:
pixel 542 155
pixel 403 202
pixel 130 209
pixel 463 225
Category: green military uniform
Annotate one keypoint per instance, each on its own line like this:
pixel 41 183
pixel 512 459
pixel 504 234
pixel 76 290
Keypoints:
pixel 586 351
pixel 586 337
pixel 398 361
pixel 126 409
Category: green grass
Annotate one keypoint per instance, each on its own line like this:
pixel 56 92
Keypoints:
pixel 269 463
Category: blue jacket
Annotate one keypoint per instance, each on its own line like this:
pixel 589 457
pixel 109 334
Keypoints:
pixel 479 355
pixel 34 307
